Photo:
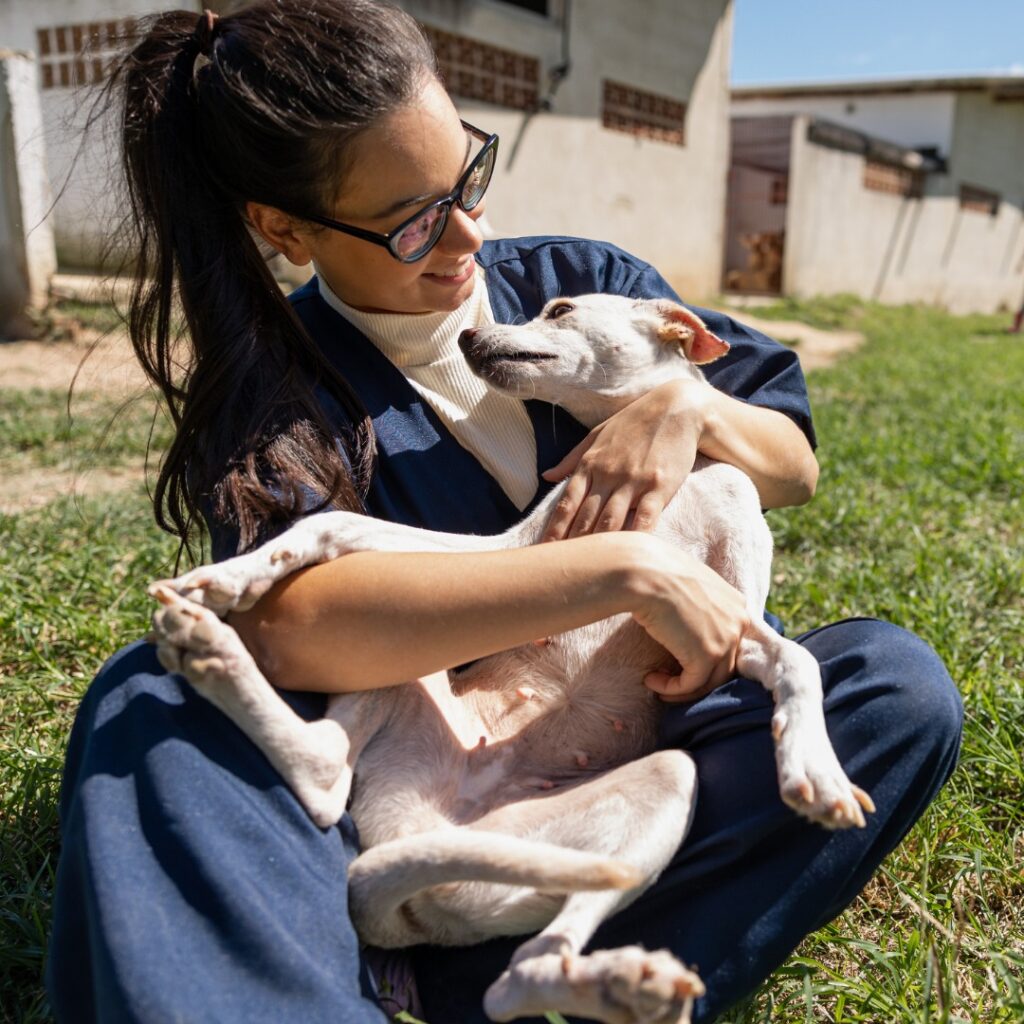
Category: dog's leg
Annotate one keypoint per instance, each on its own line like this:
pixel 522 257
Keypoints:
pixel 314 758
pixel 638 814
pixel 236 584
pixel 811 779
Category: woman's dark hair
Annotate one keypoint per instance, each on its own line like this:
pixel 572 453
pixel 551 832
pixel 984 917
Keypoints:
pixel 255 106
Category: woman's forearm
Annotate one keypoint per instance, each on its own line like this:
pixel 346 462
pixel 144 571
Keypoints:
pixel 766 444
pixel 374 619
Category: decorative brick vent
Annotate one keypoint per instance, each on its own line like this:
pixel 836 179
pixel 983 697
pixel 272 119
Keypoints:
pixel 478 71
pixel 898 181
pixel 72 55
pixel 643 114
pixel 980 200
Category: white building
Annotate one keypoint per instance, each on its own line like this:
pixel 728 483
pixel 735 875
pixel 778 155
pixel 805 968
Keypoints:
pixel 613 117
pixel 901 190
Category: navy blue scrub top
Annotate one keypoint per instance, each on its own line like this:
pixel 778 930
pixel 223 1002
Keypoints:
pixel 423 476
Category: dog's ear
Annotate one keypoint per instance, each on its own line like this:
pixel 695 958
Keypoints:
pixel 687 330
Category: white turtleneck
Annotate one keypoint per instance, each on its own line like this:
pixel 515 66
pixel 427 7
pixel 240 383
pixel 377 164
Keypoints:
pixel 496 428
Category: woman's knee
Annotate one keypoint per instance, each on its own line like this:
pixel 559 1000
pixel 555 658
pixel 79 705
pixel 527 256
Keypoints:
pixel 891 675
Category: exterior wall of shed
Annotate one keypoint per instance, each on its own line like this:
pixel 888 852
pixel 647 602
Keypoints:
pixel 912 120
pixel 988 145
pixel 842 237
pixel 559 172
pixel 82 166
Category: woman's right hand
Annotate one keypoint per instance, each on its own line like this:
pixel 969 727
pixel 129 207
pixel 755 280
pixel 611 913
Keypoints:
pixel 692 612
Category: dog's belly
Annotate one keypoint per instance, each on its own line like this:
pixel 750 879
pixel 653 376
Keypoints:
pixel 525 724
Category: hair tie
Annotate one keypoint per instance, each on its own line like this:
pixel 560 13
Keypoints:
pixel 205 32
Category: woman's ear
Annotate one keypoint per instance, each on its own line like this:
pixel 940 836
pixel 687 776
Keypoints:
pixel 280 231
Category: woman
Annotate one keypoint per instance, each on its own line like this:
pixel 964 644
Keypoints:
pixel 192 886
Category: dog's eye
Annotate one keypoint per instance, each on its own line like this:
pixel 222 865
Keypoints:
pixel 559 309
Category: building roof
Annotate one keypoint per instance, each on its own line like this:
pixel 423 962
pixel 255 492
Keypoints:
pixel 1000 87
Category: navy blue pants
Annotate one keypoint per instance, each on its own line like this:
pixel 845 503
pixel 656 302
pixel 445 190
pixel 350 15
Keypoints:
pixel 193 887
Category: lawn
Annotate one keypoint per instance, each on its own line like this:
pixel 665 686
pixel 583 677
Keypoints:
pixel 918 519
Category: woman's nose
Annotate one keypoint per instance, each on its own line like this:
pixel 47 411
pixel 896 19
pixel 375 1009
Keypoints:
pixel 462 235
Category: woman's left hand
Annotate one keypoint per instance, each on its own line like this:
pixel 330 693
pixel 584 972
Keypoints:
pixel 633 462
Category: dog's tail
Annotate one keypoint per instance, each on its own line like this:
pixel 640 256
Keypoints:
pixel 383 878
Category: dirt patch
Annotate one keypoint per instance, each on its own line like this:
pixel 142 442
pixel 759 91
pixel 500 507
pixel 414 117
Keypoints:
pixel 21 492
pixel 815 347
pixel 97 363
pixel 102 362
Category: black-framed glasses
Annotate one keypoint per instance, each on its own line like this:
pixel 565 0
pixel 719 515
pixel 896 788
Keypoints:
pixel 415 237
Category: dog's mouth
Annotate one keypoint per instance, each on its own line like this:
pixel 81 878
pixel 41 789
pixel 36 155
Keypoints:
pixel 505 369
pixel 490 358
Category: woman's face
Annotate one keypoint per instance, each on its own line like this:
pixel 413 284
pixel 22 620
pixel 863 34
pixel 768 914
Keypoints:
pixel 414 156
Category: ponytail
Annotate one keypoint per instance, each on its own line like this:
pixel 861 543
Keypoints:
pixel 256 106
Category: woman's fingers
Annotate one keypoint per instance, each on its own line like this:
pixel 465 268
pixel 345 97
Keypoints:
pixel 593 506
pixel 602 513
pixel 648 509
pixel 565 510
pixel 615 513
pixel 587 513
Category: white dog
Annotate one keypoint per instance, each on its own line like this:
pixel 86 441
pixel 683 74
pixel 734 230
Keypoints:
pixel 524 792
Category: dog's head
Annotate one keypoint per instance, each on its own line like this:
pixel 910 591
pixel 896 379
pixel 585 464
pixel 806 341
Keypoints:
pixel 593 353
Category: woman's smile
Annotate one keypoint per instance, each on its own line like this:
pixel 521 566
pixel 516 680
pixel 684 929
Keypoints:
pixel 454 277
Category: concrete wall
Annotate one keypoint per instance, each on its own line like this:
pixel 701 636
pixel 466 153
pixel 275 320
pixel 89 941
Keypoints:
pixel 27 256
pixel 841 237
pixel 561 172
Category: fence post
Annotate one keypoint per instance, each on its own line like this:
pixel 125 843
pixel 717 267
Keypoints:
pixel 28 258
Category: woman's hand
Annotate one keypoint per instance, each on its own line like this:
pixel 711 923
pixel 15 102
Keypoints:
pixel 633 462
pixel 695 614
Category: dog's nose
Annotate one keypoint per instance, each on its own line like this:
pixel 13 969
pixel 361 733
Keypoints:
pixel 466 339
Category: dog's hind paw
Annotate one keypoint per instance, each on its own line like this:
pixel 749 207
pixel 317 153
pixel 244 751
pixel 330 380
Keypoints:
pixel 311 756
pixel 617 986
pixel 190 639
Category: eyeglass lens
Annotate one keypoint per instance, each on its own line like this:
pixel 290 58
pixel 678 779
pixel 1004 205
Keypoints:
pixel 422 233
pixel 426 230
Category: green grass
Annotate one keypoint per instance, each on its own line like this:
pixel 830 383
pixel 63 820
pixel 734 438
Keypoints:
pixel 72 590
pixel 918 519
pixel 41 429
pixel 99 316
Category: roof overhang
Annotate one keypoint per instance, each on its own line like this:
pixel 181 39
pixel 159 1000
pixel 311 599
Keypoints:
pixel 1002 88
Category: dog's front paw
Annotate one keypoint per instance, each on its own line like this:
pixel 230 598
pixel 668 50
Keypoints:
pixel 234 585
pixel 812 781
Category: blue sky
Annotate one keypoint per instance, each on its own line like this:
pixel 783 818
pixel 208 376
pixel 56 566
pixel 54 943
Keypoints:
pixel 816 40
